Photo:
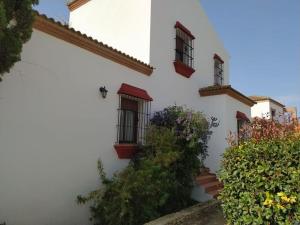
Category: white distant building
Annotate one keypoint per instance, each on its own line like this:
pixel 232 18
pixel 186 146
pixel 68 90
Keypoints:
pixel 55 124
pixel 292 113
pixel 268 108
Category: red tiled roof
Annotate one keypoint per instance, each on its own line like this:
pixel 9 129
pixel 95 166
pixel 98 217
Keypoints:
pixel 134 92
pixel 64 32
pixel 228 90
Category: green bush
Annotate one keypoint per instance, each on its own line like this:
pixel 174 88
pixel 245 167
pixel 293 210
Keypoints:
pixel 262 182
pixel 159 179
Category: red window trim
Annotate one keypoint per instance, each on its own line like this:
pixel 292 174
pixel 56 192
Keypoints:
pixel 242 116
pixel 126 151
pixel 134 92
pixel 183 69
pixel 183 28
pixel 216 56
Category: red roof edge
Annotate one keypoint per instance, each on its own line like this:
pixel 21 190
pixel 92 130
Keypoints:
pixel 216 56
pixel 134 92
pixel 187 31
pixel 241 116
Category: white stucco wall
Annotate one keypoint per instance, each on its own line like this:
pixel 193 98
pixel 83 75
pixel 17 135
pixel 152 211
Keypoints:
pixel 224 108
pixel 190 13
pixel 263 110
pixel 54 124
pixel 232 106
pixel 215 106
pixel 145 30
pixel 279 113
pixel 125 25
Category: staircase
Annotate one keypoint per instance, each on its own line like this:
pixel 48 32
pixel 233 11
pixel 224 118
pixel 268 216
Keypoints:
pixel 209 182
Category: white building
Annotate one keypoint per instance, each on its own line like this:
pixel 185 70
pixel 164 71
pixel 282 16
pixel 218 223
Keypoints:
pixel 54 123
pixel 292 114
pixel 268 108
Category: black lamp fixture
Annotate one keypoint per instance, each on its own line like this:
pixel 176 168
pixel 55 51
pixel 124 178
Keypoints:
pixel 103 91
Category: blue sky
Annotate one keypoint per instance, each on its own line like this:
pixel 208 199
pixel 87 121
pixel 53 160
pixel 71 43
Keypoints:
pixel 261 36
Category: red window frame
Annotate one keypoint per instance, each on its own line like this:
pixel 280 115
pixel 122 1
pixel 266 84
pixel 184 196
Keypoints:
pixel 184 51
pixel 218 70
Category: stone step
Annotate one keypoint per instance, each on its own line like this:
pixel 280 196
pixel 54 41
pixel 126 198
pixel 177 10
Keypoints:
pixel 209 182
pixel 214 193
pixel 212 186
pixel 203 179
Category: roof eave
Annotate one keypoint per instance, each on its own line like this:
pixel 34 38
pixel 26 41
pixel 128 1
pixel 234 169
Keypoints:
pixel 226 90
pixel 63 32
pixel 75 4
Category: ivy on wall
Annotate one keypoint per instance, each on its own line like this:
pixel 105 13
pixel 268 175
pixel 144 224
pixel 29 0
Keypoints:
pixel 16 18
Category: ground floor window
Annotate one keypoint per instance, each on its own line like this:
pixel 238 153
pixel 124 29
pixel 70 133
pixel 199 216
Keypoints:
pixel 242 121
pixel 128 121
pixel 133 115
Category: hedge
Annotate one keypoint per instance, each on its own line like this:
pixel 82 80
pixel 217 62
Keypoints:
pixel 262 182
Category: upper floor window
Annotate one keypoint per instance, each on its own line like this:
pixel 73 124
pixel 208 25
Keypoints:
pixel 184 51
pixel 218 70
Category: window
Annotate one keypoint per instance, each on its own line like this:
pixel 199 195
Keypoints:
pixel 273 113
pixel 184 51
pixel 242 121
pixel 128 121
pixel 133 115
pixel 218 70
pixel 240 124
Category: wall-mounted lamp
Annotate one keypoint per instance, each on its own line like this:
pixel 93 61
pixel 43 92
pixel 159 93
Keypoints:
pixel 103 91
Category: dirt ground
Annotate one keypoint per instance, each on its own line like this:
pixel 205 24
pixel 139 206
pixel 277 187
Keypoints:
pixel 208 213
pixel 213 216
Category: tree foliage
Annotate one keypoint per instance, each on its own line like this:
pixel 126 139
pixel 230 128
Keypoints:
pixel 16 18
pixel 159 179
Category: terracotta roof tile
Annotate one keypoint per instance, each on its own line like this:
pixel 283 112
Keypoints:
pixel 228 90
pixel 116 55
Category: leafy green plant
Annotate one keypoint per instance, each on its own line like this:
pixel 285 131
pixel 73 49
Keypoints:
pixel 262 182
pixel 16 18
pixel 159 179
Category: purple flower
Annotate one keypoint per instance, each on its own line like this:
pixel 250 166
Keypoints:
pixel 179 120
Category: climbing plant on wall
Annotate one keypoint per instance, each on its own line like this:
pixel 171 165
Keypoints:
pixel 16 18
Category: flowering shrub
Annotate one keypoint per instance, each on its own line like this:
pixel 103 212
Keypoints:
pixel 191 128
pixel 297 131
pixel 159 179
pixel 261 176
pixel 263 129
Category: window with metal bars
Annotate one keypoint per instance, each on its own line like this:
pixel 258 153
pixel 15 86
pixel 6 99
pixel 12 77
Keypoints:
pixel 133 119
pixel 184 51
pixel 219 71
pixel 242 135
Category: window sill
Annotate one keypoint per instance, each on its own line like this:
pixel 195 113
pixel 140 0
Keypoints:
pixel 126 151
pixel 183 69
